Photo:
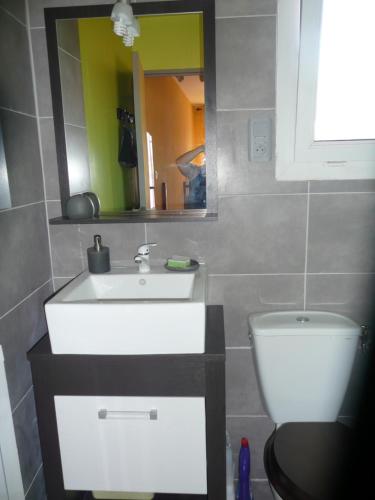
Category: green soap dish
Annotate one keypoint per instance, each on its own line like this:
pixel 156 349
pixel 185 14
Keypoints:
pixel 194 265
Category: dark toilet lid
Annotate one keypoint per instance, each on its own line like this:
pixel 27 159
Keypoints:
pixel 304 460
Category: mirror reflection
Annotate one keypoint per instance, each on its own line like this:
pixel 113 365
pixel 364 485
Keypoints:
pixel 134 117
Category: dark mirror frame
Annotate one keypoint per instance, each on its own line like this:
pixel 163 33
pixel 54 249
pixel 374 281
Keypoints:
pixel 207 8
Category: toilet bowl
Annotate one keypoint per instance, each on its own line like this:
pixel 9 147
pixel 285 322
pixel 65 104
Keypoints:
pixel 303 362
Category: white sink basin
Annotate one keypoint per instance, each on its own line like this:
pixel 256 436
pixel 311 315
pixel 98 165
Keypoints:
pixel 125 312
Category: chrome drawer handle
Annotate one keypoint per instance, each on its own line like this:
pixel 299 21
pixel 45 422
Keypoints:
pixel 104 414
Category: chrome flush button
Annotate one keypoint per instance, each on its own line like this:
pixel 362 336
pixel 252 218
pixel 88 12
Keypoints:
pixel 302 319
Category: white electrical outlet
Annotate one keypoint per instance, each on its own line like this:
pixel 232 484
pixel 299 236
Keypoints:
pixel 260 139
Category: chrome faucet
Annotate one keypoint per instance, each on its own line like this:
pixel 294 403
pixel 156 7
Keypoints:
pixel 143 257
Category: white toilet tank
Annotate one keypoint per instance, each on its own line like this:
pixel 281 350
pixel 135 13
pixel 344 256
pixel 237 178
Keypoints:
pixel 304 360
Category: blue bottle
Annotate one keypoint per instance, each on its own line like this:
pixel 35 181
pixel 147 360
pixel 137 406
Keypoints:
pixel 244 486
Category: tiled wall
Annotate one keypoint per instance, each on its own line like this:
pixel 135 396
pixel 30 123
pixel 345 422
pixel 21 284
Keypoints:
pixel 276 245
pixel 25 266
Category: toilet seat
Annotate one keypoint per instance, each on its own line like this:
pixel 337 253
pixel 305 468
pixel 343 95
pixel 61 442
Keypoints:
pixel 302 459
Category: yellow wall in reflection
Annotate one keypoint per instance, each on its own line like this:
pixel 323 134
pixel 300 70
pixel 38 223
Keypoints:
pixel 171 42
pixel 107 83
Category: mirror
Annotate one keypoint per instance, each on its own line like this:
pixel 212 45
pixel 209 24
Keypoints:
pixel 136 125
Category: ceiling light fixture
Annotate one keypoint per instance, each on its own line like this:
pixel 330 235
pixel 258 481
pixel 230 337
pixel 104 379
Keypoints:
pixel 124 22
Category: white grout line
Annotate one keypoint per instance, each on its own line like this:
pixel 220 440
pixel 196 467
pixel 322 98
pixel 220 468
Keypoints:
pixel 18 112
pixel 237 195
pixel 69 54
pixel 64 277
pixel 245 16
pixel 22 399
pixel 306 245
pixel 20 206
pixel 240 275
pixel 246 416
pixel 341 192
pixel 33 76
pixel 240 348
pixel 74 125
pixel 13 16
pixel 45 117
pixel 228 110
pixel 36 474
pixel 24 299
pixel 81 248
pixel 37 27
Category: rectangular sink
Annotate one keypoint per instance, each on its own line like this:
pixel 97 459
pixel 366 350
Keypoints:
pixel 125 312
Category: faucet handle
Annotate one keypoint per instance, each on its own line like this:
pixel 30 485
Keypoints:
pixel 145 248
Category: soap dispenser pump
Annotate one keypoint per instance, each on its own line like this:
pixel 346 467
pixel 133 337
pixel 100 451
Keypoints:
pixel 98 257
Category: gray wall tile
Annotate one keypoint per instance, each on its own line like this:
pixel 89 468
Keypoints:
pixel 19 331
pixel 16 90
pixel 66 251
pixel 47 133
pixel 245 55
pixel 68 37
pixel 38 489
pixel 122 241
pixel 37 6
pixel 72 90
pixel 78 159
pixel 27 437
pixel 242 295
pixel 236 173
pixel 16 8
pixel 342 186
pixel 24 254
pixel 348 294
pixel 254 234
pixel 21 146
pixel 245 7
pixel 341 233
pixel 257 430
pixel 43 88
pixel 242 393
pixel 59 283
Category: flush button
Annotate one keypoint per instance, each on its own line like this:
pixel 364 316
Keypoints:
pixel 302 319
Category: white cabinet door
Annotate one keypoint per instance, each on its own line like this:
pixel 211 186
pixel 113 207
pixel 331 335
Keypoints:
pixel 149 444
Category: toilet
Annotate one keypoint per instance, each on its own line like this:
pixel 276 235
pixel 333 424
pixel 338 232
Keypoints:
pixel 303 361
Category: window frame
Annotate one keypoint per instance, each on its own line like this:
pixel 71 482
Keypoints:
pixel 298 156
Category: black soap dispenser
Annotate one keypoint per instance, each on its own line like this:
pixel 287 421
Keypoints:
pixel 98 257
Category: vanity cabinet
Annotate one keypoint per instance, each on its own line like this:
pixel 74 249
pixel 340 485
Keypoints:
pixel 133 422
